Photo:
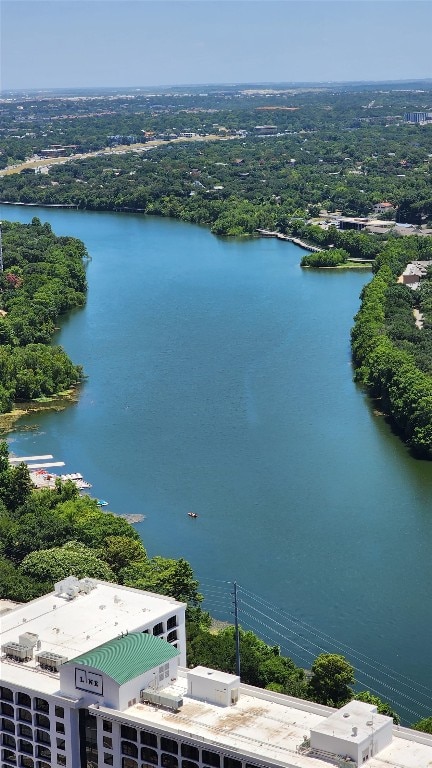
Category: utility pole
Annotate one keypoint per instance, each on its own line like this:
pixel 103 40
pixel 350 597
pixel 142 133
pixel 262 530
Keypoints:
pixel 237 636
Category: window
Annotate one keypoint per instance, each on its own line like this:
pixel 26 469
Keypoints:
pixel 149 738
pixel 149 755
pixel 41 705
pixel 43 752
pixel 230 762
pixel 210 758
pixel 172 622
pixel 8 741
pixel 189 764
pixel 8 725
pixel 128 733
pixel 9 756
pixel 6 709
pixel 158 629
pixel 169 761
pixel 60 728
pixel 107 742
pixel 188 751
pixel 42 721
pixel 130 749
pixel 61 759
pixel 41 764
pixel 172 636
pixel 6 694
pixel 108 759
pixel 24 699
pixel 127 762
pixel 163 672
pixel 88 738
pixel 60 744
pixel 107 726
pixel 26 762
pixel 26 746
pixel 24 714
pixel 25 730
pixel 59 712
pixel 169 745
pixel 43 737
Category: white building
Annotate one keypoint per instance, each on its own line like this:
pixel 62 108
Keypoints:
pixel 383 207
pixel 90 677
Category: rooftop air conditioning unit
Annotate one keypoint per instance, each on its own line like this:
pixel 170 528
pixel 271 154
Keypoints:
pixel 86 585
pixel 30 639
pixel 72 591
pixel 50 661
pixel 162 699
pixel 17 651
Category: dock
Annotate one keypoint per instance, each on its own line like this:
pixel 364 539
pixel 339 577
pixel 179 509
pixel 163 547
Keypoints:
pixel 295 240
pixel 26 459
pixel 38 466
pixel 46 465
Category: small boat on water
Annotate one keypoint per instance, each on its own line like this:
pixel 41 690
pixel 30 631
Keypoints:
pixel 102 503
pixel 192 514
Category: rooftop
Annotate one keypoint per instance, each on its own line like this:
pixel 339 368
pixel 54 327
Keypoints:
pixel 356 715
pixel 129 656
pixel 269 727
pixel 73 627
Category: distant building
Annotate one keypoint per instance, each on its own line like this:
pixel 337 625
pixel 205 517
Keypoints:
pixel 351 222
pixel 418 117
pixel 414 272
pixel 265 130
pixel 383 207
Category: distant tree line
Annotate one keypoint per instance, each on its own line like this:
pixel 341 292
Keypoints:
pixel 329 152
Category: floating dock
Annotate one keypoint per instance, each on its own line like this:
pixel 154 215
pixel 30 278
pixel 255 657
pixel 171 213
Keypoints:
pixel 25 459
pixel 45 465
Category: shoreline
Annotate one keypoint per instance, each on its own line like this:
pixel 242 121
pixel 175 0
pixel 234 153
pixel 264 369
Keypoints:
pixel 57 402
pixel 40 205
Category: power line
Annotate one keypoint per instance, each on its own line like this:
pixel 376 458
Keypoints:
pixel 398 677
pixel 293 627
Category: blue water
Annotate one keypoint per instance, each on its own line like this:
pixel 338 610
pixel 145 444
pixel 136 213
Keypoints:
pixel 219 381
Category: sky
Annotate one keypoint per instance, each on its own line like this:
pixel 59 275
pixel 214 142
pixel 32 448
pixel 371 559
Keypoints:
pixel 132 43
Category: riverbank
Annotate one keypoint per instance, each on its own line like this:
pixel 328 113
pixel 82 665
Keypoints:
pixel 40 205
pixel 58 402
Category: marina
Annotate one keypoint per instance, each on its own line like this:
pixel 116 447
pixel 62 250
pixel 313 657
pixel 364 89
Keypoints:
pixel 41 478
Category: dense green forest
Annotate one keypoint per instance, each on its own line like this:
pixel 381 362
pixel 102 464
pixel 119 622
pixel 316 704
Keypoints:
pixel 46 535
pixel 323 148
pixel 393 357
pixel 43 277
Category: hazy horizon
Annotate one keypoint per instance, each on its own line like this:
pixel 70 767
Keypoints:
pixel 96 44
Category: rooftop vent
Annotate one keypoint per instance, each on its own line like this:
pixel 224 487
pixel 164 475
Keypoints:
pixel 17 651
pixel 162 699
pixel 50 661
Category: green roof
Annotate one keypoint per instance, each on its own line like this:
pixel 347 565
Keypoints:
pixel 127 657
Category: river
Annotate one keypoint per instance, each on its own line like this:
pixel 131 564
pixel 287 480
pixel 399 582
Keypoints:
pixel 219 381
